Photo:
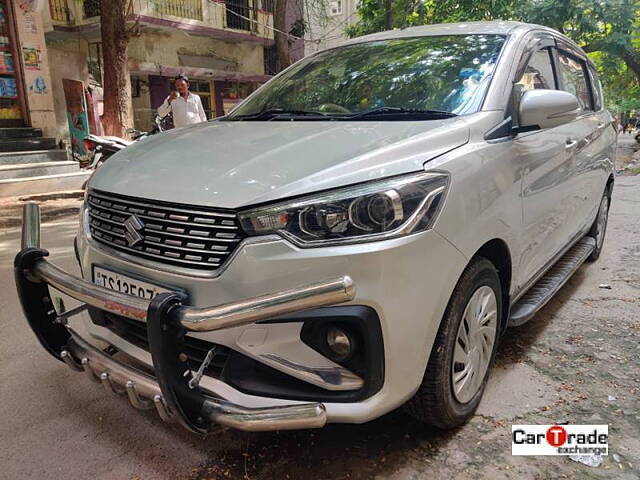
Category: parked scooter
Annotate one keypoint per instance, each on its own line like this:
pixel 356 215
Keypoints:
pixel 100 148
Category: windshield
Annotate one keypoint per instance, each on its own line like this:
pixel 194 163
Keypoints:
pixel 440 73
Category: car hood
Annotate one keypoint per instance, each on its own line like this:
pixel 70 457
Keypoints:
pixel 232 164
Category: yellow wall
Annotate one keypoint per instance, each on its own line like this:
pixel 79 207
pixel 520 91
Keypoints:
pixel 31 37
pixel 142 114
pixel 68 60
pixel 163 47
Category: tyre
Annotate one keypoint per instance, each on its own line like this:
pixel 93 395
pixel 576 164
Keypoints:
pixel 463 351
pixel 599 227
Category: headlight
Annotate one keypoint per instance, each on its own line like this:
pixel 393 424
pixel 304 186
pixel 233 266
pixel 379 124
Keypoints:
pixel 362 213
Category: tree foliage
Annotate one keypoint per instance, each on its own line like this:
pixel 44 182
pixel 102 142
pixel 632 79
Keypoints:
pixel 608 29
pixel 409 13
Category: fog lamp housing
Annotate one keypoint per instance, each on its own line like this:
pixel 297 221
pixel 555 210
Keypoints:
pixel 341 343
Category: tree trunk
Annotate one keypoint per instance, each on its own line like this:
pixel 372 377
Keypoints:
pixel 388 15
pixel 280 34
pixel 632 59
pixel 113 27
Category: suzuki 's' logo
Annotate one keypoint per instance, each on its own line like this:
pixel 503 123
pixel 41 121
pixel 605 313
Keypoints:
pixel 134 226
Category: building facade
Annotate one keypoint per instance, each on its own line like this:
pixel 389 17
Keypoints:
pixel 225 47
pixel 26 97
pixel 326 22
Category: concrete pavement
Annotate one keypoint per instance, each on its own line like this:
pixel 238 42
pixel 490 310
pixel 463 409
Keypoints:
pixel 576 361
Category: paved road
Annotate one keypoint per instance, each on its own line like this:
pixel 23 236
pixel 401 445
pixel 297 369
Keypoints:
pixel 577 361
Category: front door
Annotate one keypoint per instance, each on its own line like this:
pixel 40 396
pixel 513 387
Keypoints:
pixel 547 162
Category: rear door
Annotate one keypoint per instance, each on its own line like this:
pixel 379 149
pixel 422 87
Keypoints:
pixel 592 134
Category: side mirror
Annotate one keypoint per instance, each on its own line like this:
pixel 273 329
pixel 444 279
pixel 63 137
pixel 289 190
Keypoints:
pixel 547 108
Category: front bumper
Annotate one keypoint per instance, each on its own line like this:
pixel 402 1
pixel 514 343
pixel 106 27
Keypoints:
pixel 174 390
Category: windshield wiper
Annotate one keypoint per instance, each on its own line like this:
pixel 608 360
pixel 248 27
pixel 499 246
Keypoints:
pixel 272 113
pixel 402 112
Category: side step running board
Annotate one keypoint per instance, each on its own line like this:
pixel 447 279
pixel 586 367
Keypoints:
pixel 541 292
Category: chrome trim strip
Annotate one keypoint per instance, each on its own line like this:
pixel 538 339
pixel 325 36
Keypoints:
pixel 149 254
pixel 143 391
pixel 104 196
pixel 158 219
pixel 336 379
pixel 171 234
pixel 163 245
pixel 177 270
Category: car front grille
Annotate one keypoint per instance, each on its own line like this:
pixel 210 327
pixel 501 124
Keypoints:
pixel 135 332
pixel 174 234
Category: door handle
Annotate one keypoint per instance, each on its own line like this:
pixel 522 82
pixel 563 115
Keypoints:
pixel 601 125
pixel 570 144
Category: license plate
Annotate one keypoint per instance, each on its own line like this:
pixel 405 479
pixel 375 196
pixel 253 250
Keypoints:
pixel 125 284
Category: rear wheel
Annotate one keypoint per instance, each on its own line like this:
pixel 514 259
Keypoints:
pixel 599 227
pixel 463 351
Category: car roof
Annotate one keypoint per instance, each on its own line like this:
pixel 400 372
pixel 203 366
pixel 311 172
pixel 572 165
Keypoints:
pixel 496 27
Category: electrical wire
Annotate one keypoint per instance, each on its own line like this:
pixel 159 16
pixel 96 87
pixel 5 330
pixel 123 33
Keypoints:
pixel 294 37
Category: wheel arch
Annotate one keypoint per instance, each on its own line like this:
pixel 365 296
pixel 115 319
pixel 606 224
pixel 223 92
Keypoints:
pixel 497 252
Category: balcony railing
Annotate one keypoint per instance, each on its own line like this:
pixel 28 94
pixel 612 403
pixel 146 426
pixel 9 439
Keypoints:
pixel 179 8
pixel 246 15
pixel 59 11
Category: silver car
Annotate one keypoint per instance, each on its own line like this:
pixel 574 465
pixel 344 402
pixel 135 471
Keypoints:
pixel 355 236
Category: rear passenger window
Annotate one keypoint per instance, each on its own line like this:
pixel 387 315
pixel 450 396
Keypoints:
pixel 539 72
pixel 573 73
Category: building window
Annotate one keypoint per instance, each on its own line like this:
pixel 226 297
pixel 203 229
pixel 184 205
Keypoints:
pixel 335 7
pixel 239 14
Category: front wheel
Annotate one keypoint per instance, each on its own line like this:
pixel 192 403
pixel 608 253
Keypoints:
pixel 463 351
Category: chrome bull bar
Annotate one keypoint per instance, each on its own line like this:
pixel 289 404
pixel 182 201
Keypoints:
pixel 167 322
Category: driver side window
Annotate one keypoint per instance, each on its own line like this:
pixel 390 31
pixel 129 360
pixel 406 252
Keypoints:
pixel 538 74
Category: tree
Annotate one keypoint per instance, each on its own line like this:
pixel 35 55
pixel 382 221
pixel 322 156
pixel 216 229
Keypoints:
pixel 609 30
pixel 622 91
pixel 376 16
pixel 280 34
pixel 612 26
pixel 115 39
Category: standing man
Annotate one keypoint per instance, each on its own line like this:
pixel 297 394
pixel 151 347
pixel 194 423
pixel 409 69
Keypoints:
pixel 185 106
